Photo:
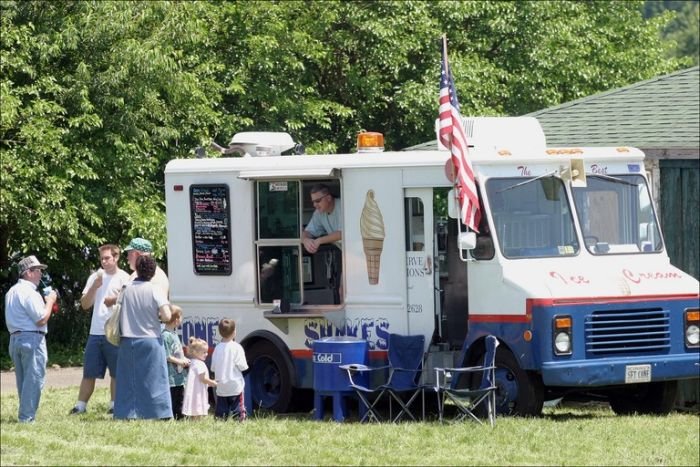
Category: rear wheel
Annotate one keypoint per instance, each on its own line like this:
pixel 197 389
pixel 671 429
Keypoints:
pixel 271 381
pixel 650 398
pixel 517 391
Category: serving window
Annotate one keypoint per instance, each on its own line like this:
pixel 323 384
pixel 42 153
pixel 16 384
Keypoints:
pixel 286 271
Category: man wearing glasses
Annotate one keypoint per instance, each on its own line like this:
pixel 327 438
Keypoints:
pixel 26 315
pixel 327 221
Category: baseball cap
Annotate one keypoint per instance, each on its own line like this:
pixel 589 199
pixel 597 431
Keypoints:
pixel 139 244
pixel 28 263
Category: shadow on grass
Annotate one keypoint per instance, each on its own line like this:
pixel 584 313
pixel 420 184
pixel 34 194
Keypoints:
pixel 564 412
pixel 573 410
pixel 569 416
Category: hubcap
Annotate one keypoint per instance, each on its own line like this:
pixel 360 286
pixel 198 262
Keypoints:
pixel 506 391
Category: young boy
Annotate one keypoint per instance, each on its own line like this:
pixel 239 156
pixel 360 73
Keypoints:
pixel 228 364
pixel 177 376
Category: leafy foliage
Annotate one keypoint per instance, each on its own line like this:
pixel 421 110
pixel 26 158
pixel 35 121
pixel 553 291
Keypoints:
pixel 681 34
pixel 95 101
pixel 96 97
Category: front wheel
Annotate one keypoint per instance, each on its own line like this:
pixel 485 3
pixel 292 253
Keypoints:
pixel 517 391
pixel 650 398
pixel 270 379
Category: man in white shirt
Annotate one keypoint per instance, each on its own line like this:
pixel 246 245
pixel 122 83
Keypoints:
pixel 26 315
pixel 102 287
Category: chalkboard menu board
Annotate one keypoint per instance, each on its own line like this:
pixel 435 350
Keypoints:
pixel 211 229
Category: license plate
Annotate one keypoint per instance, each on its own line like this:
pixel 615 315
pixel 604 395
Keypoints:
pixel 637 374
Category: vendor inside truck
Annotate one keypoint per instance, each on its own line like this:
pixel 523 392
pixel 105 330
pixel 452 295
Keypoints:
pixel 318 243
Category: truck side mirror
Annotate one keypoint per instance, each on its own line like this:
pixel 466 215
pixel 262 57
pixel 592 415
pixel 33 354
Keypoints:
pixel 466 240
pixel 484 249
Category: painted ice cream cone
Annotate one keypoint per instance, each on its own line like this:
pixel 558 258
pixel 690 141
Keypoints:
pixel 373 252
pixel 372 230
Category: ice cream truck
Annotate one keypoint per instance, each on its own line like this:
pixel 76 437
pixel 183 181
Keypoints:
pixel 568 269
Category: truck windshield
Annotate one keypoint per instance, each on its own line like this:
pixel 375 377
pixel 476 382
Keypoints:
pixel 532 217
pixel 616 215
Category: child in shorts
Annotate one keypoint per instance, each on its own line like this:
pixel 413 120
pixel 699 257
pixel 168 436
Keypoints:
pixel 228 364
pixel 195 402
pixel 177 362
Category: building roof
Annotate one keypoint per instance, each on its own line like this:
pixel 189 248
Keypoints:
pixel 661 114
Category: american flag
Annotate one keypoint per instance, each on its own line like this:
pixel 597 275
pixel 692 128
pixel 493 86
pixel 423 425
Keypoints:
pixel 453 138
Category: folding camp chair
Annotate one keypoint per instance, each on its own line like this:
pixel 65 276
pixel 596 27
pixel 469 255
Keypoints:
pixel 405 370
pixel 402 384
pixel 449 382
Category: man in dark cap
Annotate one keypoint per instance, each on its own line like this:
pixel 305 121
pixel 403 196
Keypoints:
pixel 142 247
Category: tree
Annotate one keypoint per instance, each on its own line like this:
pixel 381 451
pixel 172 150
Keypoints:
pixel 681 33
pixel 96 97
pixel 324 70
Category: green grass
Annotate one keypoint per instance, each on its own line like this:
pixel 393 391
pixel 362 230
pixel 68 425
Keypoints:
pixel 570 435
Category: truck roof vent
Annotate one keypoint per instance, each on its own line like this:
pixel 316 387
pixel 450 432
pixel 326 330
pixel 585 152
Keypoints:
pixel 260 143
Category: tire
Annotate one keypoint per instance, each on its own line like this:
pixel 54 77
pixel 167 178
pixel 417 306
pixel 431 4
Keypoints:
pixel 302 400
pixel 518 392
pixel 650 398
pixel 270 378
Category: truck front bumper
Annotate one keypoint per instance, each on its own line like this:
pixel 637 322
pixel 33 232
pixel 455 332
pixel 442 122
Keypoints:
pixel 612 371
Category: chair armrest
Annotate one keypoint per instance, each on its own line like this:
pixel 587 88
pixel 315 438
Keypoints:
pixel 359 367
pixel 409 370
pixel 444 377
pixel 354 368
pixel 466 369
pixel 461 369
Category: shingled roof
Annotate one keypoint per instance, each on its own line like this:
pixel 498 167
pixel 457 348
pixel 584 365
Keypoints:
pixel 660 115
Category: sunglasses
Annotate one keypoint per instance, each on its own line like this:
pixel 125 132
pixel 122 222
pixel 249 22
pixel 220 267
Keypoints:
pixel 318 200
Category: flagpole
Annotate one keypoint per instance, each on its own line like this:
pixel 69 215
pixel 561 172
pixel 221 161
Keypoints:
pixel 455 185
pixel 444 53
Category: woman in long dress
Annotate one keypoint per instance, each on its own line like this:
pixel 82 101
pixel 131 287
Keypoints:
pixel 143 391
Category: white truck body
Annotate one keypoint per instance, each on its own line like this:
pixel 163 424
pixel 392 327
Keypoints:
pixel 232 220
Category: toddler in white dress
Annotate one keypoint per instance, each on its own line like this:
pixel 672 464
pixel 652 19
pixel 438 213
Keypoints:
pixel 196 399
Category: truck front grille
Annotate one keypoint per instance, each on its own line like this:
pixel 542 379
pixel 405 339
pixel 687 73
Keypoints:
pixel 633 331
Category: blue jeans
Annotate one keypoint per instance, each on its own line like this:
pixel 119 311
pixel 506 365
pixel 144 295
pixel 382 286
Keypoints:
pixel 29 355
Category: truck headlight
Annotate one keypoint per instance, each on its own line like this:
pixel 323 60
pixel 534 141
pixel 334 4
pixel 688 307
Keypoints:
pixel 562 340
pixel 692 335
pixel 562 343
pixel 692 327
